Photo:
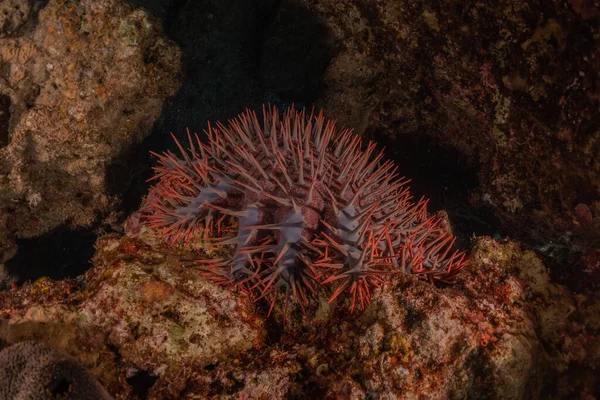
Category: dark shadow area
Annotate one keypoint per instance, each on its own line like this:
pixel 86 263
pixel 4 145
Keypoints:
pixel 4 120
pixel 237 54
pixel 294 56
pixel 141 383
pixel 442 175
pixel 59 387
pixel 211 367
pixel 62 252
pixel 58 254
pixel 572 268
pixel 274 329
pixel 312 387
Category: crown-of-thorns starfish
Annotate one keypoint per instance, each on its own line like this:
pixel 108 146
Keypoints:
pixel 304 204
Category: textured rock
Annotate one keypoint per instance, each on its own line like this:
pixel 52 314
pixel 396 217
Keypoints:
pixel 504 331
pixel 13 14
pixel 173 314
pixel 157 314
pixel 76 90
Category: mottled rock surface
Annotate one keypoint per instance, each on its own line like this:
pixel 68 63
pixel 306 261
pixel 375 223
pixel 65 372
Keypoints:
pixel 80 85
pixel 504 331
pixel 137 310
pixel 13 15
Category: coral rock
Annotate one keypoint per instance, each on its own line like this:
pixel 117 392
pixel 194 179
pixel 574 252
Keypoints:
pixel 76 90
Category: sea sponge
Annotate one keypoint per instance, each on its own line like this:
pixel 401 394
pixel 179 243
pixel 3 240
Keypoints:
pixel 34 371
pixel 303 204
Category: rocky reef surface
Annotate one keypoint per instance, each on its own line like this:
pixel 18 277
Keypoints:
pixel 146 325
pixel 80 83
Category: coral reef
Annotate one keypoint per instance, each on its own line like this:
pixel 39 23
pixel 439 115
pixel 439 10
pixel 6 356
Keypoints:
pixel 80 82
pixel 308 206
pixel 503 330
pixel 33 371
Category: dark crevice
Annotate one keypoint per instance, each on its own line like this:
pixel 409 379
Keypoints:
pixel 211 367
pixel 59 387
pixel 141 382
pixel 4 120
pixel 275 330
pixel 59 254
pixel 442 175
pixel 295 53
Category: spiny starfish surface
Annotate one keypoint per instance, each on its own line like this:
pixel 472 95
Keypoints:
pixel 304 205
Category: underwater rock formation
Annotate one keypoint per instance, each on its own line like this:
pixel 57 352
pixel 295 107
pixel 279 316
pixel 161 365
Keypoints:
pixel 503 330
pixel 79 84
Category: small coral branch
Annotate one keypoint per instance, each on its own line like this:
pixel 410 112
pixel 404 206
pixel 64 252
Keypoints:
pixel 304 205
